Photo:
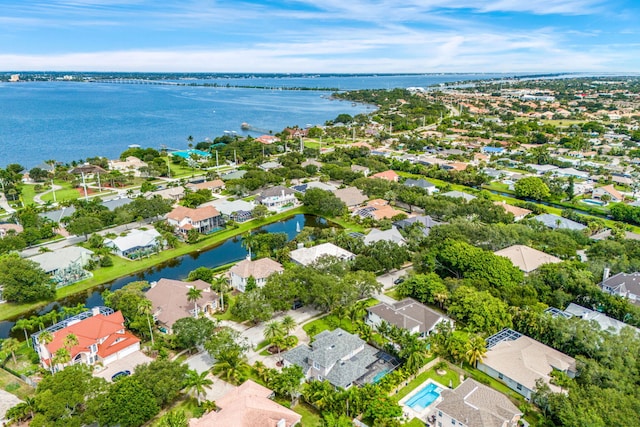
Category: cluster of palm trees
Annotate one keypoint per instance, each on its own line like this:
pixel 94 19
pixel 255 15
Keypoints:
pixel 458 347
pixel 278 333
pixel 51 318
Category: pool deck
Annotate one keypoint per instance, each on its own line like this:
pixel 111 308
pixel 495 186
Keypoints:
pixel 409 412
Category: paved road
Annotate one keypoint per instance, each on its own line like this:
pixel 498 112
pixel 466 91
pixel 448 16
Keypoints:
pixel 38 197
pixel 387 279
pixel 4 204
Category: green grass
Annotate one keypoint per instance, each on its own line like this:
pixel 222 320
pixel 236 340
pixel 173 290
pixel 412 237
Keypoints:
pixel 330 322
pixel 15 385
pixel 393 293
pixel 310 416
pixel 451 376
pixel 28 192
pixel 495 384
pixel 415 422
pixel 122 267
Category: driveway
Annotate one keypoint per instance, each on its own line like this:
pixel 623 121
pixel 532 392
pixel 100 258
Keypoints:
pixel 200 362
pixel 387 279
pixel 127 363
pixel 7 400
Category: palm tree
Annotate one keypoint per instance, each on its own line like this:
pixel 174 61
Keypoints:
pixel 45 338
pixel 174 419
pixel 61 357
pixel 248 241
pixel 476 349
pixel 357 311
pixel 196 383
pixel 262 371
pixel 220 284
pixel 193 295
pixel 288 324
pixel 440 298
pixel 11 345
pixel 272 330
pixel 70 341
pixel 230 368
pixel 23 324
pixel 146 308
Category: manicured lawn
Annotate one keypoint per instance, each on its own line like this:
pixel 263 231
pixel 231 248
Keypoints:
pixel 393 293
pixel 15 385
pixel 331 322
pixel 450 377
pixel 310 417
pixel 483 378
pixel 415 422
pixel 28 191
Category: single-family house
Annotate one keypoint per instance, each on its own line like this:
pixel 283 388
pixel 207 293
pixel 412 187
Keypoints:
pixel 235 210
pixel 517 212
pixel 527 259
pixel 388 175
pixel 131 164
pixel 541 169
pixel 267 166
pixel 351 196
pixel 170 301
pixel 390 235
pixel 65 265
pixel 459 195
pixel 609 192
pixel 567 172
pixel 302 188
pixel 473 404
pixel 10 228
pixel 361 169
pixel 203 219
pixel 248 405
pixel 277 197
pixel 101 338
pixel 171 193
pixel 215 186
pixel 626 285
pixel 307 256
pixel 234 175
pixel 341 358
pixel 518 361
pixel 603 321
pixel 557 222
pixel 267 139
pixel 425 221
pixel 421 183
pixel 378 209
pixel 406 314
pixel 259 269
pixel 136 243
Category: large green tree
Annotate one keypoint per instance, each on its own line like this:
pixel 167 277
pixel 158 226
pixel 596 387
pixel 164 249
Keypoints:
pixel 23 280
pixel 532 187
pixel 128 403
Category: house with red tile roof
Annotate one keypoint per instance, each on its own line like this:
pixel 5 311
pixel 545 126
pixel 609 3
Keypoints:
pixel 267 139
pixel 203 220
pixel 101 338
pixel 388 175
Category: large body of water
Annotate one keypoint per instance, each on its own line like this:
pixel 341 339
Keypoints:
pixel 178 268
pixel 68 121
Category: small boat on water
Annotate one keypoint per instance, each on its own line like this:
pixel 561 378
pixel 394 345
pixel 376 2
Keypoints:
pixel 245 126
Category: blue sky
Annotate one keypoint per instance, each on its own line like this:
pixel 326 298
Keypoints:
pixel 318 36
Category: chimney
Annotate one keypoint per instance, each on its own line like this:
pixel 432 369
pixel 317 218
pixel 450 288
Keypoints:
pixel 95 311
pixel 606 273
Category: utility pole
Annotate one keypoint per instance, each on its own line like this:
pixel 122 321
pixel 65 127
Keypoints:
pixel 53 189
pixel 301 146
pixel 235 160
pixel 217 165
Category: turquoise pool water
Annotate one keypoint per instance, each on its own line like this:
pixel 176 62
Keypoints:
pixel 425 397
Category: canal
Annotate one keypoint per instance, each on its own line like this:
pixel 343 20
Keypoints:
pixel 229 251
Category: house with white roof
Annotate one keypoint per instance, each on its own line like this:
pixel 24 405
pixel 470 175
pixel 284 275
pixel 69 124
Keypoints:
pixel 277 197
pixel 390 235
pixel 527 259
pixel 65 265
pixel 307 256
pixel 136 243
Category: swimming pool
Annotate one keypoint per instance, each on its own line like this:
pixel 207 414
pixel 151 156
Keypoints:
pixel 425 397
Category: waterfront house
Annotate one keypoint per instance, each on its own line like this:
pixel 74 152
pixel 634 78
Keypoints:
pixel 170 301
pixel 378 209
pixel 203 219
pixel 517 212
pixel 527 259
pixel 136 243
pixel 421 183
pixel 65 265
pixel 248 405
pixel 458 195
pixel 350 196
pixel 609 191
pixel 101 335
pixel 277 197
pixel 235 210
pixel 625 285
pixel 341 358
pixel 259 269
pixel 131 165
pixel 473 404
pixel 518 361
pixel 307 256
pixel 557 222
pixel 407 314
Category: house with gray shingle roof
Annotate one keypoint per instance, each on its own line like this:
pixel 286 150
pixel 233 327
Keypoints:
pixel 557 222
pixel 425 220
pixel 406 314
pixel 341 358
pixel 475 405
pixel 459 195
pixel 625 285
pixel 421 183
pixel 390 235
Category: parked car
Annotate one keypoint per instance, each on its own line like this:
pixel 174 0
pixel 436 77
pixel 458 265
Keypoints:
pixel 398 280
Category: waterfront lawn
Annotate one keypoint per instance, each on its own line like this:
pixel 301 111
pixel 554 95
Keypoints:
pixel 122 267
pixel 450 377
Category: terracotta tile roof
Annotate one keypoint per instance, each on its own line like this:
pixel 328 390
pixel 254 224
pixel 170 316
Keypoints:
pixel 386 212
pixel 198 214
pixel 388 175
pixel 527 259
pixel 89 331
pixel 216 183
pixel 170 302
pixel 248 406
pixel 612 191
pixel 515 210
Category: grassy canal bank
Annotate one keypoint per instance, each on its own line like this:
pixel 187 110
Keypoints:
pixel 122 267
